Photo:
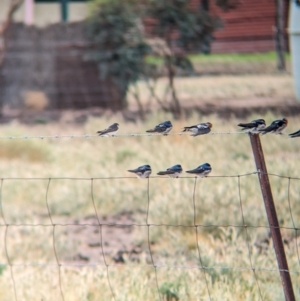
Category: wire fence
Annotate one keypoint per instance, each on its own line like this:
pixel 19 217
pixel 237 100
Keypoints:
pixel 153 263
pixel 113 260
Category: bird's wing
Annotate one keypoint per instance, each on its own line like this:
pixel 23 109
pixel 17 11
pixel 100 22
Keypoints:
pixel 203 129
pixel 295 134
pixel 133 170
pixel 106 131
pixel 165 172
pixel 196 170
pixel 248 125
pixel 273 126
pixel 157 129
pixel 160 128
pixel 170 171
pixel 187 128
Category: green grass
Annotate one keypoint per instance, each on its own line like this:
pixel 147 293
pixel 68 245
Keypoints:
pixel 171 203
pixel 216 58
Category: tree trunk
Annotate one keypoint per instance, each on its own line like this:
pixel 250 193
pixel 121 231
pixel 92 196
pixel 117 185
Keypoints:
pixel 171 75
pixel 279 35
pixel 13 7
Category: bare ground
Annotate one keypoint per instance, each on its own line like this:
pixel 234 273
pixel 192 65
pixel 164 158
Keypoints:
pixel 114 240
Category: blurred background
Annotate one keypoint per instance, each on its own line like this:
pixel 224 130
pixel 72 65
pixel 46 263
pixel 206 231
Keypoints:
pixel 139 56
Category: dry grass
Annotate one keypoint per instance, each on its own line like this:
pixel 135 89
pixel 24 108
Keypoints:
pixel 199 90
pixel 217 203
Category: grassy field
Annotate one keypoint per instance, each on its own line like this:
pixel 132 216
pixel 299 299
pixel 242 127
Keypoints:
pixel 220 240
pixel 234 58
pixel 232 63
pixel 196 91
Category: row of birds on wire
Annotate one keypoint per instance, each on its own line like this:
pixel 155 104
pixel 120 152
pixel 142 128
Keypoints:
pixel 257 126
pixel 144 171
pixel 254 127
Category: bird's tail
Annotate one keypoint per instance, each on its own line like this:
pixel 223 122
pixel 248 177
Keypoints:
pixel 150 131
pixel 295 134
pixel 186 129
pixel 162 173
pixel 132 170
pixel 265 131
pixel 190 171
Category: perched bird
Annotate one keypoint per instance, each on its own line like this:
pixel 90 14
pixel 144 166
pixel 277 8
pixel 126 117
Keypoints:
pixel 295 134
pixel 143 171
pixel 172 172
pixel 254 126
pixel 111 130
pixel 201 171
pixel 276 127
pixel 162 128
pixel 198 129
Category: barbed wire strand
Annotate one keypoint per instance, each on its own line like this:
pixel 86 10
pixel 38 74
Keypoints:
pixel 247 238
pixel 85 136
pixel 292 219
pixel 149 241
pixel 27 137
pixel 197 240
pixel 53 241
pixel 101 240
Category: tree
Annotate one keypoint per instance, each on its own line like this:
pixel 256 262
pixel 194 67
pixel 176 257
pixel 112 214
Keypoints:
pixel 184 30
pixel 13 7
pixel 279 34
pixel 120 47
pixel 119 44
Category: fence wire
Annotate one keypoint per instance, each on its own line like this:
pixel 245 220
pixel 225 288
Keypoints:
pixel 27 137
pixel 202 268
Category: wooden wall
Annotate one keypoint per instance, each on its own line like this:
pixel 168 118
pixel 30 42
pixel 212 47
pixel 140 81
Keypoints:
pixel 248 28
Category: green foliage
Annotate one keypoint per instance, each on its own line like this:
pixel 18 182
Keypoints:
pixel 169 291
pixel 194 27
pixel 120 48
pixel 227 4
pixel 2 268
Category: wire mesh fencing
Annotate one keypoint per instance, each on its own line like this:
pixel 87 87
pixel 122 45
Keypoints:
pixel 208 254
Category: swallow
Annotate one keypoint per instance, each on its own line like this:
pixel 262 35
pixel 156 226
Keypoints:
pixel 201 171
pixel 162 128
pixel 110 131
pixel 198 129
pixel 254 126
pixel 172 172
pixel 143 171
pixel 295 134
pixel 276 127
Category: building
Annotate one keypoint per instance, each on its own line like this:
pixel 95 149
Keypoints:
pixel 46 12
pixel 248 28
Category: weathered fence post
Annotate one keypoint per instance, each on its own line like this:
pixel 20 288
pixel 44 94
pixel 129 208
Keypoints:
pixel 272 216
